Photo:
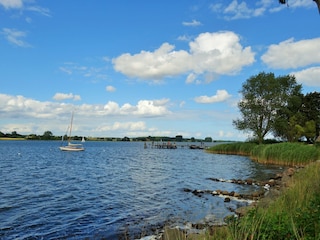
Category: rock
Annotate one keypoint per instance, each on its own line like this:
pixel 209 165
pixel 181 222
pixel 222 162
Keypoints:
pixel 227 199
pixel 237 195
pixel 290 172
pixel 272 182
pixel 225 193
pixel 249 181
pixel 243 210
pixel 187 190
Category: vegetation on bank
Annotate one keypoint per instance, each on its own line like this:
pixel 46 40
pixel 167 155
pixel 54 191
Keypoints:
pixel 277 106
pixel 48 135
pixel 293 215
pixel 289 154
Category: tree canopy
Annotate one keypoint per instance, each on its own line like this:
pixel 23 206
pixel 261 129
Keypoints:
pixel 264 95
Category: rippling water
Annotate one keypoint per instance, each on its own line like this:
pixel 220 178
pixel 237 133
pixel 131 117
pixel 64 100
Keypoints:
pixel 110 188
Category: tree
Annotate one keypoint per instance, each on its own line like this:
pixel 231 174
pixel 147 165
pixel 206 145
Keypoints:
pixel 289 120
pixel 311 111
pixel 47 135
pixel 263 96
pixel 299 118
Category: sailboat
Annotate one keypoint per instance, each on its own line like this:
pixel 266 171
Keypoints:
pixel 71 146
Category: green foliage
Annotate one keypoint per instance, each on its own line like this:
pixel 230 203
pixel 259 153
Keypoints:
pixel 294 215
pixel 290 154
pixel 299 118
pixel 263 95
pixel 239 148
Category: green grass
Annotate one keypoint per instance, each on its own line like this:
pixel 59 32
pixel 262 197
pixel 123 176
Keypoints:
pixel 238 148
pixel 294 215
pixel 290 154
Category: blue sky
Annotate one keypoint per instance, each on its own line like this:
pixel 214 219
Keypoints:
pixel 146 68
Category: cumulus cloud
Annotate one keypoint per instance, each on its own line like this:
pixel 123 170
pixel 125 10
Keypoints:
pixel 64 96
pixel 146 108
pixel 26 106
pixel 221 96
pixel 309 77
pixel 219 53
pixel 110 89
pixel 7 4
pixel 291 54
pixel 15 37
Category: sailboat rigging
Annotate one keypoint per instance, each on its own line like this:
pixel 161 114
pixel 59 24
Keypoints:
pixel 71 146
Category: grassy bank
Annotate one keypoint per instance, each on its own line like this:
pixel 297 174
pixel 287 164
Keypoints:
pixel 290 154
pixel 295 214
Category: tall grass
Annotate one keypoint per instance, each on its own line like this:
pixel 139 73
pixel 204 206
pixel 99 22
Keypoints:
pixel 294 215
pixel 238 148
pixel 290 154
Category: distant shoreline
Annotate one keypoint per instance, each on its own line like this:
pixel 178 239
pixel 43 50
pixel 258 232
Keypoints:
pixel 12 139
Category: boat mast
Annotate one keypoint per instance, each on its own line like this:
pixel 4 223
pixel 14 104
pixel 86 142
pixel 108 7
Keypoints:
pixel 70 127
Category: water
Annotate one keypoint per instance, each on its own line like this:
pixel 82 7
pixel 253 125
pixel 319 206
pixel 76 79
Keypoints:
pixel 111 189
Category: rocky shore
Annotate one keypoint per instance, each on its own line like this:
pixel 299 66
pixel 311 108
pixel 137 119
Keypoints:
pixel 267 191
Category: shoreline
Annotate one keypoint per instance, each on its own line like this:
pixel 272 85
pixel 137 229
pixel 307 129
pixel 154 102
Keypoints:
pixel 273 188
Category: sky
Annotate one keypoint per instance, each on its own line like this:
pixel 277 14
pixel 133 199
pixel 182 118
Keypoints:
pixel 147 68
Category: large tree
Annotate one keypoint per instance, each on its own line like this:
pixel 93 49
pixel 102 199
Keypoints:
pixel 299 118
pixel 262 97
pixel 290 120
pixel 311 111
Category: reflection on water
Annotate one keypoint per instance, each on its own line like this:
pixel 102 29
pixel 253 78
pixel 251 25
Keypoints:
pixel 111 187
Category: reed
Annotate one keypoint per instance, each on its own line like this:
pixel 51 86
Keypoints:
pixel 238 148
pixel 289 154
pixel 294 215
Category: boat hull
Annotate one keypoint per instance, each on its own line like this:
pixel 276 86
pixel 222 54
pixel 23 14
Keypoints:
pixel 71 149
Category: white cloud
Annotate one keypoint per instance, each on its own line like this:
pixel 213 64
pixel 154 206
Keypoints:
pixel 64 96
pixel 93 73
pixel 309 77
pixel 15 37
pixel 41 10
pixel 249 9
pixel 241 10
pixel 184 38
pixel 221 96
pixel 219 53
pixel 128 126
pixel 110 88
pixel 291 54
pixel 193 23
pixel 55 116
pixel 223 134
pixel 7 4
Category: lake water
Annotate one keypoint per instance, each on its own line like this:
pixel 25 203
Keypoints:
pixel 111 189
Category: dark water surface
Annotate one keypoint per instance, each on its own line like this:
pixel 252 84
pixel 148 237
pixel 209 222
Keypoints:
pixel 111 188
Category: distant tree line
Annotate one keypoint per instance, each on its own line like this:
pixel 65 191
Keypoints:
pixel 48 135
pixel 277 106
